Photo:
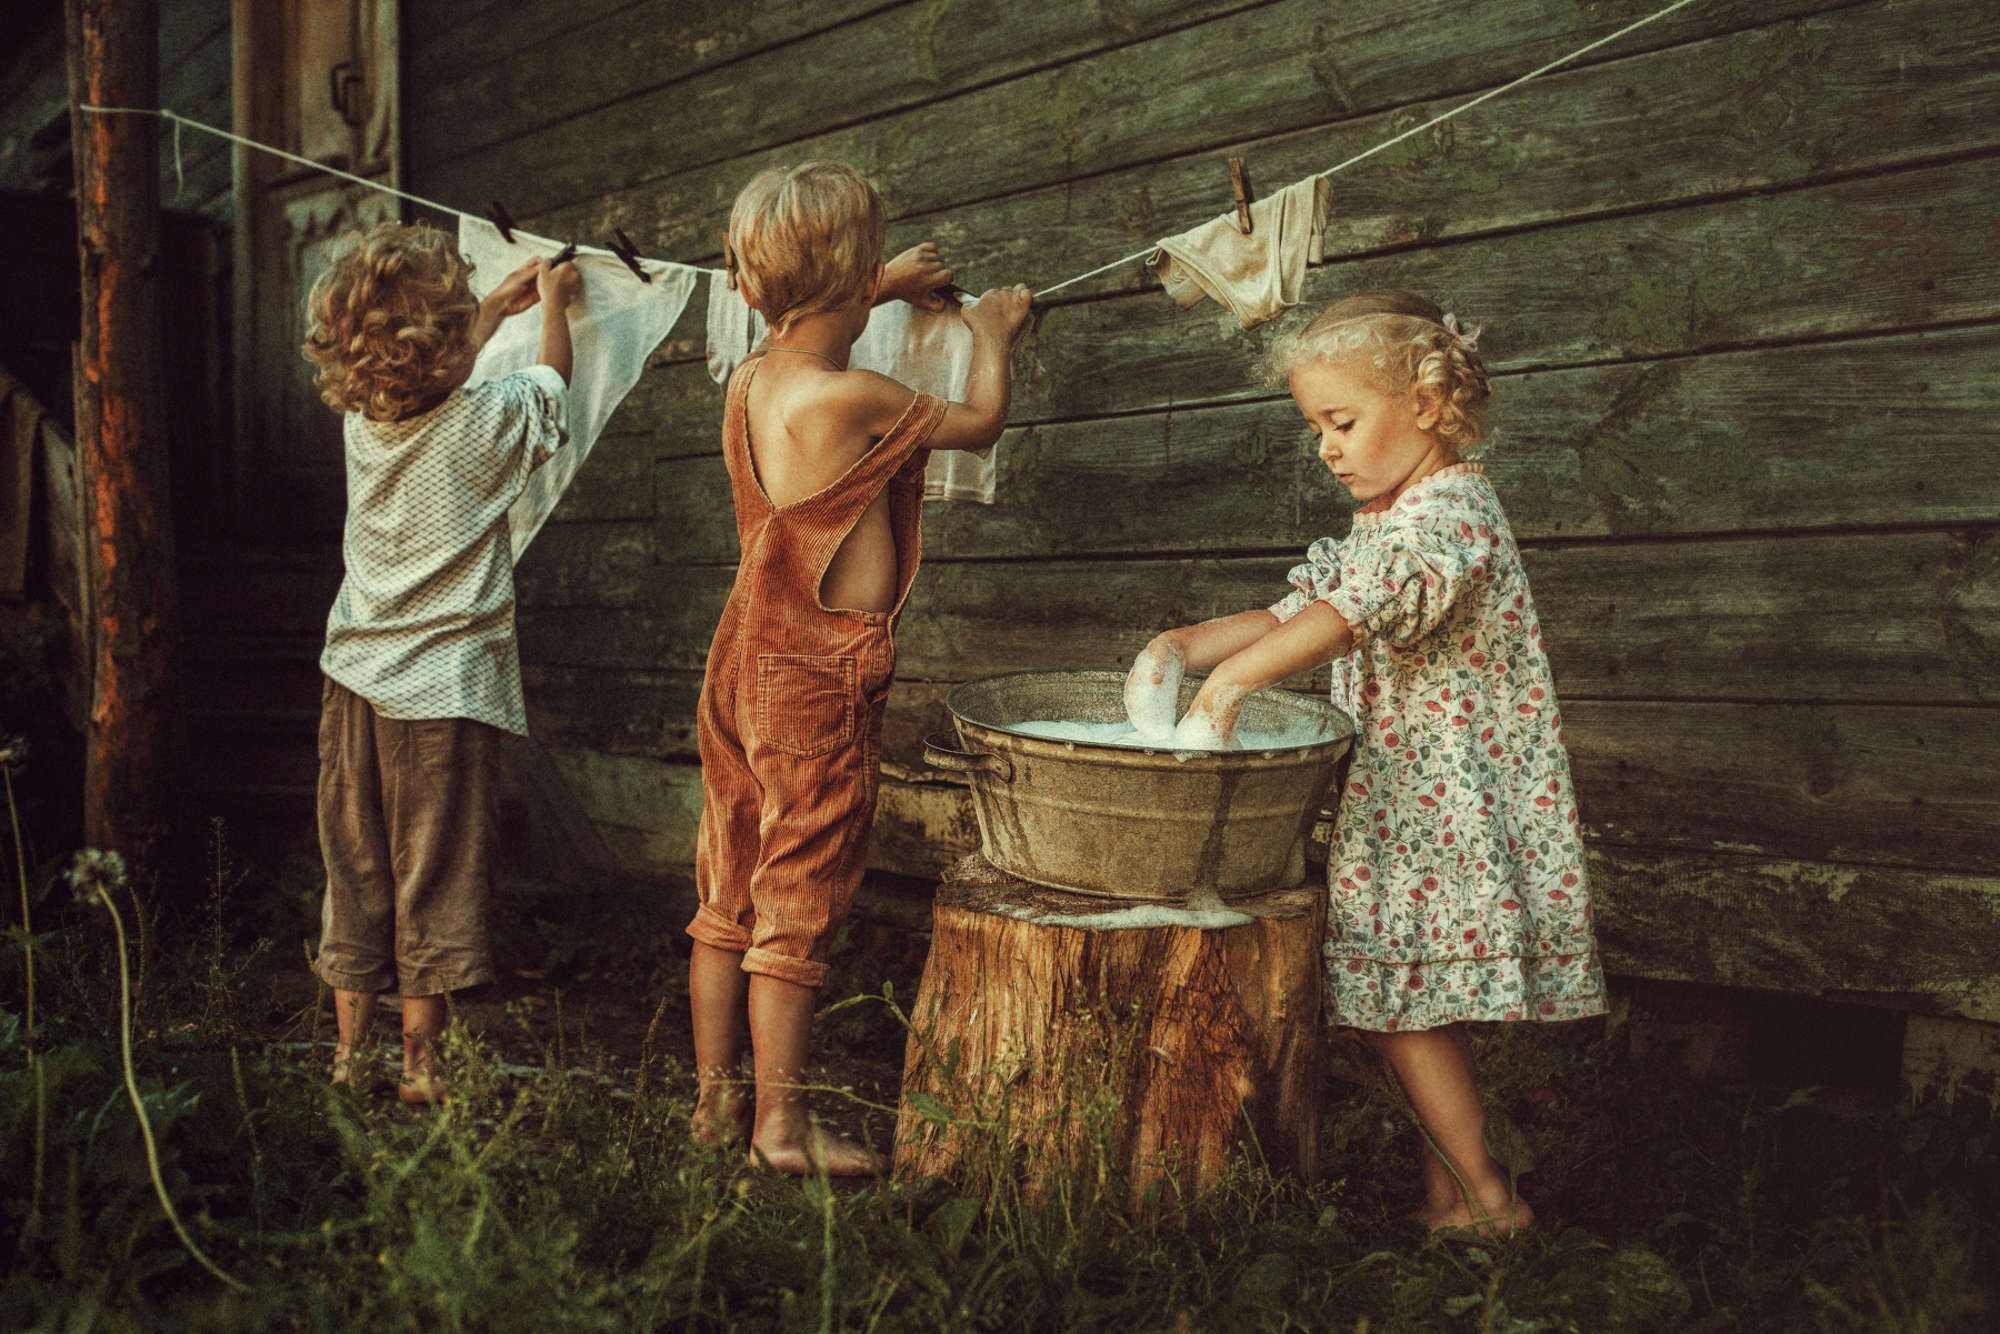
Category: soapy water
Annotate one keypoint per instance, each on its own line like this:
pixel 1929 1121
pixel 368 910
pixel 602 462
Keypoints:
pixel 1303 733
pixel 1203 910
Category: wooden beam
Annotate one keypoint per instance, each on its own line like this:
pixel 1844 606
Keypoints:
pixel 133 760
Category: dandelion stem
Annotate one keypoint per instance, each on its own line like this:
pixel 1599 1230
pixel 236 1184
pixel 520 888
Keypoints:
pixel 21 869
pixel 34 1222
pixel 138 1104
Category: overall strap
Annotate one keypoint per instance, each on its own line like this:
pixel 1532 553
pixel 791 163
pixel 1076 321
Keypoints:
pixel 736 438
pixel 886 457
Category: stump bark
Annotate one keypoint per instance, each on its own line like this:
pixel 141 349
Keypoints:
pixel 1051 1036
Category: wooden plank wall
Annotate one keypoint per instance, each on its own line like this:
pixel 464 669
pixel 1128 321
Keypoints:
pixel 1738 275
pixel 194 80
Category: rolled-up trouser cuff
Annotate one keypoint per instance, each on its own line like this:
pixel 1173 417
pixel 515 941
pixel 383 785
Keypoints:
pixel 437 981
pixel 784 967
pixel 712 928
pixel 341 979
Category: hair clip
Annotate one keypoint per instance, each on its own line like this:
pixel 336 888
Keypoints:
pixel 1467 339
pixel 625 250
pixel 498 216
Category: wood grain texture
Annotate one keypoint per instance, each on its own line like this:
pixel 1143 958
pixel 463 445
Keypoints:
pixel 1912 615
pixel 1156 1053
pixel 1881 254
pixel 1911 938
pixel 1863 785
pixel 1767 439
pixel 676 93
pixel 1240 77
pixel 1914 939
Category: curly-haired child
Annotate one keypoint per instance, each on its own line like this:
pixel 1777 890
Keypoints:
pixel 1456 877
pixel 827 468
pixel 422 674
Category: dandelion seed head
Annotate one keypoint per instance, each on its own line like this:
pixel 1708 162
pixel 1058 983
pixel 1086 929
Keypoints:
pixel 13 752
pixel 95 871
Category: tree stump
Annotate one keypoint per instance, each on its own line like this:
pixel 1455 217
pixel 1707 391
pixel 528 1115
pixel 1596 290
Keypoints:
pixel 1057 1033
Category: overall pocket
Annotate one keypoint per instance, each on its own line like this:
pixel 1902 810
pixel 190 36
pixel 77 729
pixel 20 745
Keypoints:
pixel 805 704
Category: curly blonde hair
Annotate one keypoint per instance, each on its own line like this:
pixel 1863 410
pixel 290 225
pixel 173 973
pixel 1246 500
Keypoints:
pixel 390 322
pixel 1401 343
pixel 806 239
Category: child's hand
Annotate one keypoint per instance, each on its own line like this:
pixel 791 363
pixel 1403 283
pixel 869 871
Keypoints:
pixel 1209 725
pixel 1000 312
pixel 918 276
pixel 1153 689
pixel 514 293
pixel 558 285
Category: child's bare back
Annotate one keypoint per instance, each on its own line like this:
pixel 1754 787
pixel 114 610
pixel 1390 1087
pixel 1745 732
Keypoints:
pixel 810 423
pixel 811 420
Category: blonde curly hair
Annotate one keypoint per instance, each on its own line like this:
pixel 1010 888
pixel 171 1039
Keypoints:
pixel 1400 341
pixel 390 322
pixel 806 239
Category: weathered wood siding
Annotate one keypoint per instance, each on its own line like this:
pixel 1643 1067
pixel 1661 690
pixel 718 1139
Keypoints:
pixel 194 80
pixel 1739 275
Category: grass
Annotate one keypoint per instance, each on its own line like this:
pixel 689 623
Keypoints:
pixel 569 1196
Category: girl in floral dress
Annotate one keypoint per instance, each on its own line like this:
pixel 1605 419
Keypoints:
pixel 1456 878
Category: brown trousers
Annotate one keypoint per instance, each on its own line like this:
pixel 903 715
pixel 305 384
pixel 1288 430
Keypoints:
pixel 406 831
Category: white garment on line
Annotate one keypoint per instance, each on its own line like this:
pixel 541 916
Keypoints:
pixel 615 322
pixel 1256 276
pixel 928 350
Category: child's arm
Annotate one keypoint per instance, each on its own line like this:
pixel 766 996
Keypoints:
pixel 1316 635
pixel 557 287
pixel 872 403
pixel 917 276
pixel 1153 686
pixel 514 294
pixel 978 421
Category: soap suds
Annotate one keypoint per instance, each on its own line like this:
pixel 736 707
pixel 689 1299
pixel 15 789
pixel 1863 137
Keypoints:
pixel 1305 733
pixel 1204 912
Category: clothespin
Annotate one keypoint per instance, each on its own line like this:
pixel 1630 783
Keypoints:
pixel 625 250
pixel 1239 185
pixel 563 256
pixel 728 263
pixel 497 215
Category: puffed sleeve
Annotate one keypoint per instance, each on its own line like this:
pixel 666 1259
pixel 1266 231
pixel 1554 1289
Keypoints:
pixel 527 413
pixel 1403 584
pixel 1311 580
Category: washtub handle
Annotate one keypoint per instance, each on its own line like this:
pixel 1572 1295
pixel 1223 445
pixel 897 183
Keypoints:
pixel 939 753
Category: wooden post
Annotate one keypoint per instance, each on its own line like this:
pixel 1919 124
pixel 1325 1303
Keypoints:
pixel 131 773
pixel 1048 1038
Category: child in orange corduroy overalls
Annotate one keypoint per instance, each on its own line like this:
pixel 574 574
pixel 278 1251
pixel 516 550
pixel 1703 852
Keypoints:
pixel 827 466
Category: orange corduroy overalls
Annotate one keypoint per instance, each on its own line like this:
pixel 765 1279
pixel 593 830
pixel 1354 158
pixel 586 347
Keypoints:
pixel 790 717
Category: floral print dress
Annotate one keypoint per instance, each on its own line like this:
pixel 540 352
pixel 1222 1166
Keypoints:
pixel 1456 878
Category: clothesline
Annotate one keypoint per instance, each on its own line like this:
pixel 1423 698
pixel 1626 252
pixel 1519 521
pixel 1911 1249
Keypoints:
pixel 1392 142
pixel 179 120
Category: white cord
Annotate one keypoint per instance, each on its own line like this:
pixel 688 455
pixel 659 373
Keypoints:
pixel 1389 143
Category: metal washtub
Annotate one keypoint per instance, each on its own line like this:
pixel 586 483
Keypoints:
pixel 1123 823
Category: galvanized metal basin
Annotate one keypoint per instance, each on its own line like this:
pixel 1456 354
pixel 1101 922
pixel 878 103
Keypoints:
pixel 1151 825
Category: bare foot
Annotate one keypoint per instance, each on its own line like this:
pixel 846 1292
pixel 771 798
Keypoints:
pixel 840 1157
pixel 421 1088
pixel 1492 1221
pixel 721 1117
pixel 359 1070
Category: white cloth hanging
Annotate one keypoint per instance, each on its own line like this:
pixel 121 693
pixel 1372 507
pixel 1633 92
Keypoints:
pixel 615 323
pixel 1255 276
pixel 928 350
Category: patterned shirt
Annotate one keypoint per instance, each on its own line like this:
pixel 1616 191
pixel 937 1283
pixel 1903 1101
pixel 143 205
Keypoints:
pixel 1456 876
pixel 423 626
